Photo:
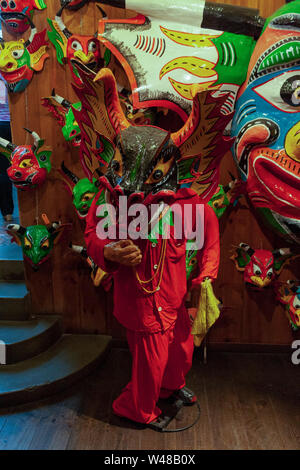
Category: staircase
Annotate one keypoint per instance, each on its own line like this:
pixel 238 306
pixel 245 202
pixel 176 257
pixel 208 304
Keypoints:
pixel 38 359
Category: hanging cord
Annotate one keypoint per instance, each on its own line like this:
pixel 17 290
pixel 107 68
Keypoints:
pixel 186 427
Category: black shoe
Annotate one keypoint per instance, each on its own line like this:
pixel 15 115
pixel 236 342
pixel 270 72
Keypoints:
pixel 160 423
pixel 186 395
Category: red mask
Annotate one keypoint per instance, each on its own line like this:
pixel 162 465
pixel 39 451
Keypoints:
pixel 77 50
pixel 260 267
pixel 83 51
pixel 14 12
pixel 25 170
pixel 30 164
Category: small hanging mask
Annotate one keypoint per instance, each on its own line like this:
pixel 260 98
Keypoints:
pixel 20 59
pixel 15 13
pixel 82 190
pixel 62 111
pixel 75 49
pixel 288 294
pixel 30 164
pixel 36 241
pixel 260 267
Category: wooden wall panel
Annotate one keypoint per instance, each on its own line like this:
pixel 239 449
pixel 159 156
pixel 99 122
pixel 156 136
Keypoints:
pixel 62 285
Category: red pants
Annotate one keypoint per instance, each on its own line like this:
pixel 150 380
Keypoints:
pixel 160 362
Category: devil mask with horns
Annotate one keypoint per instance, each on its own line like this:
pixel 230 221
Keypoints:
pixel 79 51
pixel 20 59
pixel 260 267
pixel 82 190
pixel 36 241
pixel 63 112
pixel 15 14
pixel 144 160
pixel 30 164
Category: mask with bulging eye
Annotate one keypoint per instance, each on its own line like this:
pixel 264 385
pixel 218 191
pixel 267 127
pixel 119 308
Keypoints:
pixel 260 267
pixel 266 124
pixel 78 51
pixel 36 241
pixel 30 164
pixel 20 59
pixel 144 161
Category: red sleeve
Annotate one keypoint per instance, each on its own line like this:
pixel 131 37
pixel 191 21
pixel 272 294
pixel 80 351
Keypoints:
pixel 209 256
pixel 95 245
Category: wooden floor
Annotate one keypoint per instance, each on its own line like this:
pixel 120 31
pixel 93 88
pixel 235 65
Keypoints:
pixel 248 401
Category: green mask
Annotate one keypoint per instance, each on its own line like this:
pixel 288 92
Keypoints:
pixel 36 241
pixel 82 190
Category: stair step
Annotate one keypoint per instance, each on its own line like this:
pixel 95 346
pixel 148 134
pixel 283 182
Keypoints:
pixel 26 339
pixel 71 358
pixel 11 263
pixel 14 299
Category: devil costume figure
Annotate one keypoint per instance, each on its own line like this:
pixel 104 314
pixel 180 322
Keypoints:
pixel 151 166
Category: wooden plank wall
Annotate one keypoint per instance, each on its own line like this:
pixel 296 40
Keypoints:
pixel 62 285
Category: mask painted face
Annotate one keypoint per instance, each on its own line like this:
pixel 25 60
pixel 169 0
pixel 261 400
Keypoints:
pixel 260 267
pixel 30 164
pixel 79 51
pixel 20 59
pixel 82 190
pixel 15 14
pixel 36 241
pixel 62 111
pixel 169 48
pixel 266 124
pixel 289 295
pixel 144 160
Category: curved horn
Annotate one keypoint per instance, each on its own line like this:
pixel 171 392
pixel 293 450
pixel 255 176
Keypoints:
pixel 53 227
pixel 61 24
pixel 59 99
pixel 36 139
pixel 281 252
pixel 7 144
pixel 104 15
pixel 79 249
pixel 16 228
pixel 33 31
pixel 247 248
pixel 71 176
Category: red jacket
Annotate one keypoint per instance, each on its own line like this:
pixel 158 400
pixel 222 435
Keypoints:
pixel 152 312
